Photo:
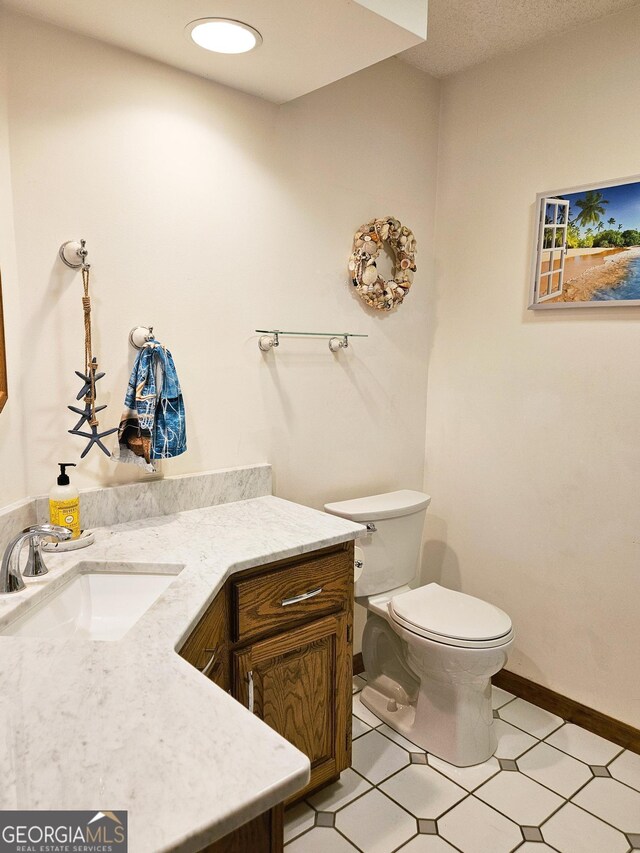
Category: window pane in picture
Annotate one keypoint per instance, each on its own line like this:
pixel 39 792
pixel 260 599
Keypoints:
pixel 547 237
pixel 552 260
pixel 550 214
pixel 543 287
pixel 559 237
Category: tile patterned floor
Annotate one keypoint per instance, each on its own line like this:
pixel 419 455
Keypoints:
pixel 551 786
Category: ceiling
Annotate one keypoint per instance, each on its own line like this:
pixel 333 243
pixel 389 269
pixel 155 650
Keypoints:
pixel 307 43
pixel 311 43
pixel 462 33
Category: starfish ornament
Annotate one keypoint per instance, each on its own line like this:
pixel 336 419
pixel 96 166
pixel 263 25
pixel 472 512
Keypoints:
pixel 85 414
pixel 86 388
pixel 94 438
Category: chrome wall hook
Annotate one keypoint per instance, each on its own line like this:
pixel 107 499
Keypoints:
pixel 140 336
pixel 74 253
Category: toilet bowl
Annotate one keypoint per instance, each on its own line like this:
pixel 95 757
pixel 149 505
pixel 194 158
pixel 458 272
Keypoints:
pixel 429 652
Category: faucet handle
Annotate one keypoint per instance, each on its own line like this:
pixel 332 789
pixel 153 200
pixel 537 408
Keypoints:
pixel 46 529
pixel 35 563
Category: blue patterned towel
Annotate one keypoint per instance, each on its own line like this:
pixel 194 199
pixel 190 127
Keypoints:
pixel 153 422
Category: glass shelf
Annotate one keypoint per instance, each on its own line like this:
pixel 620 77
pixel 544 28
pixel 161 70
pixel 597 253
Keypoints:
pixel 312 334
pixel 270 338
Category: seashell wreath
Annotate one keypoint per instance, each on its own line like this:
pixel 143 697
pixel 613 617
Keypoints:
pixel 367 244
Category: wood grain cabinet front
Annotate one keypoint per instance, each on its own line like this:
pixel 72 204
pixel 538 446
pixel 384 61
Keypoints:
pixel 296 592
pixel 207 647
pixel 279 638
pixel 297 682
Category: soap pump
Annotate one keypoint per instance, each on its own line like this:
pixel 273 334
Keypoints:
pixel 64 501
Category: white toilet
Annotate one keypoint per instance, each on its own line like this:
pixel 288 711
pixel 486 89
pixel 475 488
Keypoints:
pixel 429 652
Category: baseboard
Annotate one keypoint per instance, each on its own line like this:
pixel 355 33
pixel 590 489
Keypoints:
pixel 574 712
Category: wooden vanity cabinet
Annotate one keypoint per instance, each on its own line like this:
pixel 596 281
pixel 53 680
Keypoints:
pixel 279 638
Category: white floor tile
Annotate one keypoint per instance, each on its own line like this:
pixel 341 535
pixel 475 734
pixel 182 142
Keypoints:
pixel 555 769
pixel 572 830
pixel 358 728
pixel 612 801
pixel 358 683
pixel 399 739
pixel 428 844
pixel 511 741
pixel 423 791
pixel 626 768
pixel 584 745
pixel 473 827
pixel 364 713
pixel 468 777
pixel 297 820
pixel 375 757
pixel 519 798
pixel 375 824
pixel 500 697
pixel 321 840
pixel 347 788
pixel 536 721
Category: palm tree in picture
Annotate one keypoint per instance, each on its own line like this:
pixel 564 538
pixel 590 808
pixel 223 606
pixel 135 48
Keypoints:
pixel 619 226
pixel 591 208
pixel 600 225
pixel 611 221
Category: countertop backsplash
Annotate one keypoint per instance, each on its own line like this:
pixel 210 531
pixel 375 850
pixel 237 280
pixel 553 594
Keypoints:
pixel 109 505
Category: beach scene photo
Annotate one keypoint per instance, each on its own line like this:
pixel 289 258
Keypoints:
pixel 588 247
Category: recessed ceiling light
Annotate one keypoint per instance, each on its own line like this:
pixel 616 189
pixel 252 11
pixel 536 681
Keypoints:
pixel 223 35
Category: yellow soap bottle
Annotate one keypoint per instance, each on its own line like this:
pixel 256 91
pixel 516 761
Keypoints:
pixel 64 501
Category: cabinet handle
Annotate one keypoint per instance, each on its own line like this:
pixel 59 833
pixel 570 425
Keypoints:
pixel 250 690
pixel 303 597
pixel 209 665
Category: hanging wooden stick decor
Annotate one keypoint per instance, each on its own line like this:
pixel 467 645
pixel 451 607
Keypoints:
pixel 90 376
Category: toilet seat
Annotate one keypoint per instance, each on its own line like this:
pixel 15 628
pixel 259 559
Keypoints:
pixel 451 618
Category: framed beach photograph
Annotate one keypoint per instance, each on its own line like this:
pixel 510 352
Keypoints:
pixel 587 246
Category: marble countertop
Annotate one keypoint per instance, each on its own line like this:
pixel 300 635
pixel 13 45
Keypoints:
pixel 130 724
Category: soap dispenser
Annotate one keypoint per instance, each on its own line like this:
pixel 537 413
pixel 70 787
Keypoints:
pixel 64 501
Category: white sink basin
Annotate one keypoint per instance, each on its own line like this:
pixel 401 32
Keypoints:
pixel 93 606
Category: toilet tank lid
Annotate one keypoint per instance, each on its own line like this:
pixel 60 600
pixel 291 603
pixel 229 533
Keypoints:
pixel 376 507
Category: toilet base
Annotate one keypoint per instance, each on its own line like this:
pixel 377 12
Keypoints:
pixel 454 722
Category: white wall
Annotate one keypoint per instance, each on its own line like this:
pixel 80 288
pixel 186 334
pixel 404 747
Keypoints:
pixel 209 214
pixel 533 451
pixel 12 473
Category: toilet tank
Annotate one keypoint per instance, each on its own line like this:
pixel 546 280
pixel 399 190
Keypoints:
pixel 390 552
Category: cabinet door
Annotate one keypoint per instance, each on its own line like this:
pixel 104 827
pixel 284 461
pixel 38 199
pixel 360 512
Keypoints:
pixel 299 683
pixel 206 647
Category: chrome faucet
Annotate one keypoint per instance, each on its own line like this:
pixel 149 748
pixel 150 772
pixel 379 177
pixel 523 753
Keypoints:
pixel 10 577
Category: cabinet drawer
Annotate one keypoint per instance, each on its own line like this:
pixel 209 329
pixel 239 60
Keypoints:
pixel 275 599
